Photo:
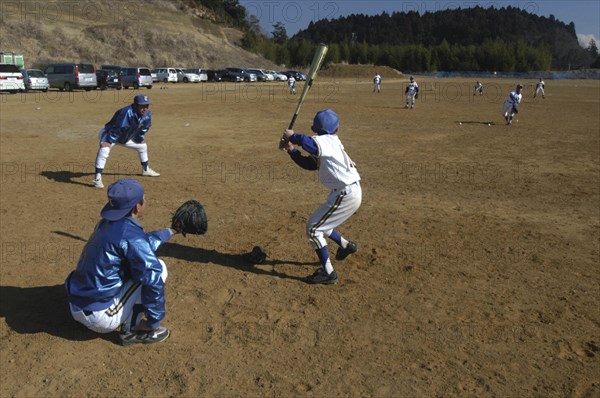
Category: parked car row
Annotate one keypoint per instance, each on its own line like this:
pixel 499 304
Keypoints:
pixel 69 76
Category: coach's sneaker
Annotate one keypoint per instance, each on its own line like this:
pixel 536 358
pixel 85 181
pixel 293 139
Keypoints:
pixel 150 173
pixel 342 253
pixel 154 336
pixel 321 277
pixel 98 183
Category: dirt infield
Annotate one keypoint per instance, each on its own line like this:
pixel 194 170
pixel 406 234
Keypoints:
pixel 476 275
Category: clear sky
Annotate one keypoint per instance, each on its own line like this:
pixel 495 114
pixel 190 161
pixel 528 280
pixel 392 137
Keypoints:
pixel 297 14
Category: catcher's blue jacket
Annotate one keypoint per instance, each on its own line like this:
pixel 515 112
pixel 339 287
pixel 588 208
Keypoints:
pixel 116 252
pixel 127 125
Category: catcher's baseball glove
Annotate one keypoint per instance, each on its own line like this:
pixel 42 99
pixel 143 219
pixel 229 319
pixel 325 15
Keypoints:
pixel 515 108
pixel 190 218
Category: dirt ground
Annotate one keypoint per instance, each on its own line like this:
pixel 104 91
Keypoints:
pixel 476 275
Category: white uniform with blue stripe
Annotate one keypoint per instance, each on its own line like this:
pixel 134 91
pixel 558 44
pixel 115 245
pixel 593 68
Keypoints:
pixel 338 173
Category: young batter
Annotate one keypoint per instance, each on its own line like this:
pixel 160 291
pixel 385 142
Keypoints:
pixel 338 173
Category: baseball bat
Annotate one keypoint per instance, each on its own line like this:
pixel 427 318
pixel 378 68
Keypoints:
pixel 312 73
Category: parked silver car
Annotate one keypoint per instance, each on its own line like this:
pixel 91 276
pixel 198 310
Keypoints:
pixel 35 79
pixel 136 77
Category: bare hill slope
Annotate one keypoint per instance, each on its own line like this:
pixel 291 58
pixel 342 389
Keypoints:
pixel 152 33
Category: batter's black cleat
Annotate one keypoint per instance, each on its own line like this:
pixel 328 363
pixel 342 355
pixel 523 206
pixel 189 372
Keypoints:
pixel 343 253
pixel 321 277
pixel 154 336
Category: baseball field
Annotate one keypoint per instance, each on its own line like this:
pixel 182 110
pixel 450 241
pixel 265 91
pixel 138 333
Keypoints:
pixel 476 274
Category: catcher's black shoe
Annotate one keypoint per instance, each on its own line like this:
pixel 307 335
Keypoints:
pixel 154 336
pixel 343 253
pixel 321 277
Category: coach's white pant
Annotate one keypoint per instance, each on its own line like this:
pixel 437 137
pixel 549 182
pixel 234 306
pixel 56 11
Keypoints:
pixel 121 310
pixel 104 152
pixel 340 205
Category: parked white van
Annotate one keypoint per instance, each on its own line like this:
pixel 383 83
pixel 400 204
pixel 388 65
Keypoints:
pixel 11 78
pixel 166 75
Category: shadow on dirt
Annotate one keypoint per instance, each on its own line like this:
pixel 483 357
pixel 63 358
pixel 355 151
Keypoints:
pixel 43 309
pixel 69 177
pixel 236 261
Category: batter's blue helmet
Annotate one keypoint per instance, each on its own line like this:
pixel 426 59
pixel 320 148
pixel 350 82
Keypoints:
pixel 325 122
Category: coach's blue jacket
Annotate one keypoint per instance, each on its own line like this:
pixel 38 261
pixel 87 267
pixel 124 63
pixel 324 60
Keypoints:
pixel 127 125
pixel 116 252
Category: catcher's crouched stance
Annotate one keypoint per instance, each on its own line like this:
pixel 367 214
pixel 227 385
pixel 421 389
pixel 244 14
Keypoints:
pixel 338 173
pixel 119 281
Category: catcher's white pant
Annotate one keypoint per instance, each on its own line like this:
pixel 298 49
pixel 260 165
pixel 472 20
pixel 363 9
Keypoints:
pixel 120 313
pixel 104 152
pixel 339 206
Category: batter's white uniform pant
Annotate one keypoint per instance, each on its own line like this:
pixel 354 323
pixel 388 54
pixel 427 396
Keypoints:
pixel 120 313
pixel 410 97
pixel 340 205
pixel 104 152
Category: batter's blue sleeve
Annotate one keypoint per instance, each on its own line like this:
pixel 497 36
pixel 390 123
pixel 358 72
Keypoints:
pixel 306 162
pixel 307 143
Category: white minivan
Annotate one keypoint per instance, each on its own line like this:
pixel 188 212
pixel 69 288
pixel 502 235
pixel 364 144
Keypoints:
pixel 166 75
pixel 11 78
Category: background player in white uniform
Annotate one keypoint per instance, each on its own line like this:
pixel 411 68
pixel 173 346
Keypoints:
pixel 540 87
pixel 412 91
pixel 127 127
pixel 377 83
pixel 338 173
pixel 511 104
pixel 292 84
pixel 478 88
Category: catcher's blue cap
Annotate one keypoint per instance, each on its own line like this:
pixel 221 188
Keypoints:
pixel 141 99
pixel 325 122
pixel 123 195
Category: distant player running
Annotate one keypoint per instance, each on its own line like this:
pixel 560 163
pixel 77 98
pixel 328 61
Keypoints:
pixel 377 83
pixel 540 87
pixel 511 104
pixel 127 128
pixel 478 88
pixel 412 92
pixel 292 84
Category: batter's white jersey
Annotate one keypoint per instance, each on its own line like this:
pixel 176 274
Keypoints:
pixel 336 169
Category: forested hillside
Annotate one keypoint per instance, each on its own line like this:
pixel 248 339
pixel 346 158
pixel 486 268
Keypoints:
pixel 505 39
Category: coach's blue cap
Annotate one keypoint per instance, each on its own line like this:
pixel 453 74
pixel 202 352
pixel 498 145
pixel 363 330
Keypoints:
pixel 141 99
pixel 326 122
pixel 123 195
